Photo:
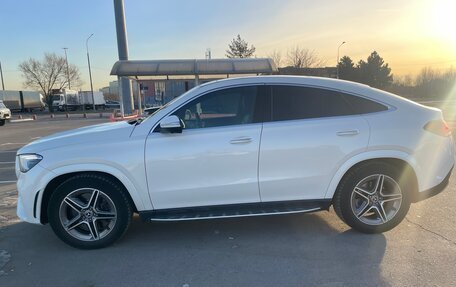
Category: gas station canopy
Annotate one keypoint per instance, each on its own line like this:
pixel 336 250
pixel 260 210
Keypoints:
pixel 193 67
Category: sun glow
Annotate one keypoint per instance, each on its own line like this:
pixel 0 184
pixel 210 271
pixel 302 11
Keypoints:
pixel 443 20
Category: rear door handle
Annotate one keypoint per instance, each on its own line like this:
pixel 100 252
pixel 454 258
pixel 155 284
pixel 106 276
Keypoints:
pixel 348 133
pixel 241 140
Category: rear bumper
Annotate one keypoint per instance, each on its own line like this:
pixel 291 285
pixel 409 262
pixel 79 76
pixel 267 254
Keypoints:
pixel 419 196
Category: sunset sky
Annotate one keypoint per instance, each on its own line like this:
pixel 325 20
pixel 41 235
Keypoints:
pixel 408 34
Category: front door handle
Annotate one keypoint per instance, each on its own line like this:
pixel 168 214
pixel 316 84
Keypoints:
pixel 241 140
pixel 348 133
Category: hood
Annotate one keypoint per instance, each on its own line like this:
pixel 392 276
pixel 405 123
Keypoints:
pixel 96 134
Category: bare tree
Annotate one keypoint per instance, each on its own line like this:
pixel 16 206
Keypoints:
pixel 303 58
pixel 239 48
pixel 276 56
pixel 48 74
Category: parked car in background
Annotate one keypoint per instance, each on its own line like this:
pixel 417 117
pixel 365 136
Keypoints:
pixel 250 146
pixel 26 101
pixel 5 113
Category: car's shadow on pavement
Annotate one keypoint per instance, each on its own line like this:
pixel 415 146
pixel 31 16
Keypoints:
pixel 292 250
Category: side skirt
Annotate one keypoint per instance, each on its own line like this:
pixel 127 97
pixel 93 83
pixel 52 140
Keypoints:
pixel 236 210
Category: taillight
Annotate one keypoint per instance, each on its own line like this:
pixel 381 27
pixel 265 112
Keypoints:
pixel 438 127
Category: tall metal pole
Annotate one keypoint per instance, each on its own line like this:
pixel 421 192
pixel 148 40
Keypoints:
pixel 68 75
pixel 67 68
pixel 1 73
pixel 338 58
pixel 122 46
pixel 90 71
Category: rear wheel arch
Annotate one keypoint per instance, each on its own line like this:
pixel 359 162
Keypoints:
pixel 55 182
pixel 406 170
pixel 375 195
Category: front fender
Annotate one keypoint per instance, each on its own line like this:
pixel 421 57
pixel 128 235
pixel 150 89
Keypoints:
pixel 140 199
pixel 368 155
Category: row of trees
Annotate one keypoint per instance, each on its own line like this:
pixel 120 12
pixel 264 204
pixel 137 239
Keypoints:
pixel 373 72
pixel 428 84
pixel 296 57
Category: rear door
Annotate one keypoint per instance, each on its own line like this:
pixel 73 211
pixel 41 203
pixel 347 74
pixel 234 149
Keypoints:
pixel 311 132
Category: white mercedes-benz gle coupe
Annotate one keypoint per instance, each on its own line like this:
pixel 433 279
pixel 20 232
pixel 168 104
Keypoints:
pixel 240 147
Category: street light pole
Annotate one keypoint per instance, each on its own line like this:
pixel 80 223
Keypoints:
pixel 338 58
pixel 90 71
pixel 67 68
pixel 1 73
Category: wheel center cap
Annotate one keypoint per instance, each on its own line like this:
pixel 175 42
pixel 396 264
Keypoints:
pixel 374 198
pixel 87 215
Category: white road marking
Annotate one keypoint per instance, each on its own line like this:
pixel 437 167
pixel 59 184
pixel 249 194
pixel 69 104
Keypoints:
pixel 35 138
pixel 7 181
pixel 20 120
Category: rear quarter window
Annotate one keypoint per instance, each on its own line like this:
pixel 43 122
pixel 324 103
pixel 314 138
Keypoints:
pixel 361 105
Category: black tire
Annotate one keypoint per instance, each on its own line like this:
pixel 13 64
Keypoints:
pixel 2 122
pixel 110 189
pixel 342 201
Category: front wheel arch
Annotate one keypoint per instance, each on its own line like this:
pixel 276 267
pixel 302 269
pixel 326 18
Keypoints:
pixel 55 182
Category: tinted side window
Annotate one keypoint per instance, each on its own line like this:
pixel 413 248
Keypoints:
pixel 233 106
pixel 293 102
pixel 363 106
pixel 335 104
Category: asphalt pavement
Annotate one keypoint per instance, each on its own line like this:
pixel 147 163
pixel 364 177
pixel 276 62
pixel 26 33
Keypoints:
pixel 290 250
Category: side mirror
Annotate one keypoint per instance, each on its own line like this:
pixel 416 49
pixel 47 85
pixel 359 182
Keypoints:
pixel 171 124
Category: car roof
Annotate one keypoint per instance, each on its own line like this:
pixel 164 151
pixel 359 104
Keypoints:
pixel 303 80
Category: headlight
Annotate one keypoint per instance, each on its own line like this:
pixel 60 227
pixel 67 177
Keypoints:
pixel 28 161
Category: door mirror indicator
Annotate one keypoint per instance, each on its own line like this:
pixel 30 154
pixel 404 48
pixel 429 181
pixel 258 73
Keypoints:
pixel 171 124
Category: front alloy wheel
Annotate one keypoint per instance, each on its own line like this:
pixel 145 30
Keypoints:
pixel 88 214
pixel 89 211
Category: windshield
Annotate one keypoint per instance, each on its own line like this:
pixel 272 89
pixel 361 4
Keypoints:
pixel 2 106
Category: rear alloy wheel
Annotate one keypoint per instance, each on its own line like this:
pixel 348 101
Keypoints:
pixel 376 199
pixel 89 211
pixel 373 197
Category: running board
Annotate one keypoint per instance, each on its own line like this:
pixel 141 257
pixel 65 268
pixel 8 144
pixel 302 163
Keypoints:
pixel 235 210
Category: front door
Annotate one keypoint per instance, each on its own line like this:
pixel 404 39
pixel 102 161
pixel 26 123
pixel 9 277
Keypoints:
pixel 214 161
